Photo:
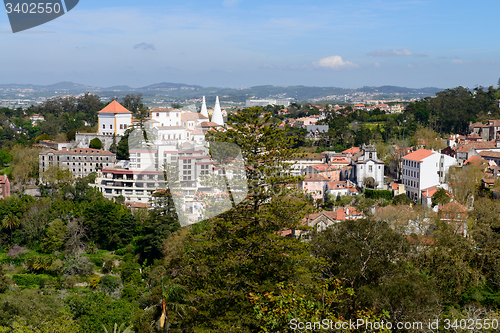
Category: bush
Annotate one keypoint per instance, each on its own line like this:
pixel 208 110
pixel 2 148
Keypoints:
pixel 377 194
pixel 401 199
pixel 29 280
pixel 95 143
pixel 110 283
pixel 77 264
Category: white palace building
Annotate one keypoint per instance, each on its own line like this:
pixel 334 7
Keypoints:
pixel 171 141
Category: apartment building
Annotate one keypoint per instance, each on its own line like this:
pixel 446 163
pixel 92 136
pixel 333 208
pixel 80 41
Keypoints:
pixel 423 169
pixel 79 161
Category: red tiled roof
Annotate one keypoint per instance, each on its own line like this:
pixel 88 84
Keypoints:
pixel 454 207
pixel 475 159
pixel 315 177
pixel 114 107
pixel 419 155
pixel 476 145
pixel 495 154
pixel 352 150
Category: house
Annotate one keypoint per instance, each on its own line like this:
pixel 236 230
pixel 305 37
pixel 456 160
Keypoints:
pixel 113 119
pixel 336 188
pixel 422 169
pixel 326 170
pixel 427 193
pixel 455 214
pixel 314 184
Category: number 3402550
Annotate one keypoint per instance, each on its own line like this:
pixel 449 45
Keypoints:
pixel 33 8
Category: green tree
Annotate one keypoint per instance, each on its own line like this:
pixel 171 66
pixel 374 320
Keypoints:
pixel 175 303
pixel 95 143
pixel 4 283
pixel 54 240
pixel 242 251
pixel 113 146
pixel 440 197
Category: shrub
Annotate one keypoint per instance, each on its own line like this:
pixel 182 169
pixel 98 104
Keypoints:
pixel 377 194
pixel 29 280
pixel 17 251
pixel 95 143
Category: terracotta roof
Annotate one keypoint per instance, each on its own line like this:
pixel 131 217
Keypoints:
pixel 475 159
pixel 477 145
pixel 352 150
pixel 315 177
pixel 394 186
pixel 192 116
pixel 429 192
pixel 478 124
pixel 495 154
pixel 454 207
pixel 163 110
pixel 114 107
pixel 209 124
pixel 339 159
pixel 419 155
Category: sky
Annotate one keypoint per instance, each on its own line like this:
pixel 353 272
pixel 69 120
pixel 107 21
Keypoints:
pixel 242 43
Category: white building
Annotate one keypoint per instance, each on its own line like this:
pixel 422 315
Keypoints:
pixel 423 169
pixel 367 166
pixel 265 102
pixel 114 119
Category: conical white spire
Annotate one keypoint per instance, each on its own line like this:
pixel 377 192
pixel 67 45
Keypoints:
pixel 204 111
pixel 217 115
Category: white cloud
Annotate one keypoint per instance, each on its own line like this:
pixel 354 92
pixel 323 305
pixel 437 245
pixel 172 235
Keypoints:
pixel 395 53
pixel 336 62
pixel 377 64
pixel 458 61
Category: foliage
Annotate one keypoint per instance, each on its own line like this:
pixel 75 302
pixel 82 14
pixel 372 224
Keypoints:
pixel 95 310
pixel 3 280
pixel 160 223
pixel 117 329
pixel 401 199
pixel 40 324
pixel 95 143
pixel 369 256
pixel 55 237
pixel 242 251
pixel 28 280
pixel 440 197
pixel 378 194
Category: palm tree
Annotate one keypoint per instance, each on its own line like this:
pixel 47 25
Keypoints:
pixel 119 329
pixel 175 299
pixel 10 221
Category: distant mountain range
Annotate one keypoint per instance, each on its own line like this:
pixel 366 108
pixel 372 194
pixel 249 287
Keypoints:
pixel 173 91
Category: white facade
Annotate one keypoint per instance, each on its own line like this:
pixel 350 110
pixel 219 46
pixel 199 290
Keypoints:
pixel 368 166
pixel 423 169
pixel 166 116
pixel 114 119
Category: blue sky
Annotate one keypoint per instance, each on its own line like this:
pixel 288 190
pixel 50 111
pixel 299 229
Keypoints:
pixel 241 43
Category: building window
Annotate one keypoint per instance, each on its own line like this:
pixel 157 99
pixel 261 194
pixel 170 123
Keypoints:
pixel 157 114
pixel 103 126
pixel 370 168
pixel 121 126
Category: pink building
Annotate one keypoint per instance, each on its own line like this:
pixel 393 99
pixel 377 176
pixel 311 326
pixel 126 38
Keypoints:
pixel 314 184
pixel 4 187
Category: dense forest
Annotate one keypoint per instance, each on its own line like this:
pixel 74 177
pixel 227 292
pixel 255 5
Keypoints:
pixel 73 261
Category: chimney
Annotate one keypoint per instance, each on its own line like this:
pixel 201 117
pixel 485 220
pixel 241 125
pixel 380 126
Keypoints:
pixel 63 148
